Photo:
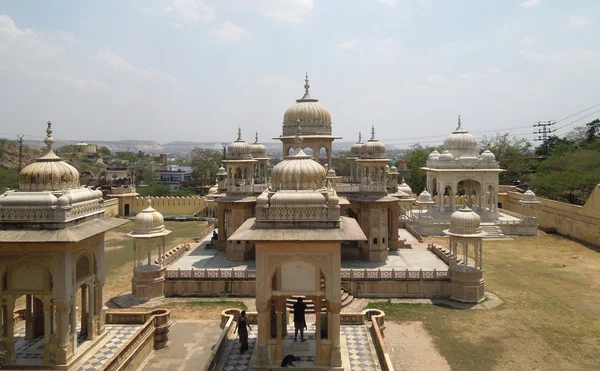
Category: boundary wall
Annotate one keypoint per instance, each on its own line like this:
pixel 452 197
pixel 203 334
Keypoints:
pixel 579 222
pixel 111 207
pixel 188 205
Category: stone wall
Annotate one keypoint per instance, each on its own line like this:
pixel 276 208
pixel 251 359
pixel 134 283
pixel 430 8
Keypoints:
pixel 580 222
pixel 191 205
pixel 111 207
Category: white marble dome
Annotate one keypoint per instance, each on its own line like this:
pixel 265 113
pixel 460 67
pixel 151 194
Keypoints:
pixel 465 222
pixel 373 148
pixel 461 142
pixel 315 118
pixel 239 149
pixel 529 197
pixel 356 148
pixel 425 198
pixel 149 223
pixel 446 156
pixel 434 155
pixel 487 155
pixel 298 172
pixel 258 149
pixel 404 187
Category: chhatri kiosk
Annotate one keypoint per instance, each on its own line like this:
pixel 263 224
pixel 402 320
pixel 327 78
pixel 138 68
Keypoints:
pixel 298 232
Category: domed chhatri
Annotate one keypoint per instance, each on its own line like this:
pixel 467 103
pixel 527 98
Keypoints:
pixel 487 155
pixel 373 148
pixel 404 187
pixel 149 223
pixel 49 172
pixel 315 118
pixel 461 142
pixel 465 222
pixel 239 149
pixel 298 172
pixel 357 147
pixel 258 149
pixel 529 196
pixel 425 198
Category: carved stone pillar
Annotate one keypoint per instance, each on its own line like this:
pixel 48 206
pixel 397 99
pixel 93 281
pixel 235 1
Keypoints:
pixel 64 350
pixel 334 334
pixel 263 332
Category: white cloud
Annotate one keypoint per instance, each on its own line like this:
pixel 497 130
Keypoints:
pixel 191 10
pixel 287 11
pixel 578 22
pixel 390 3
pixel 384 46
pixel 349 45
pixel 143 10
pixel 529 3
pixel 178 25
pixel 563 57
pixel 115 62
pixel 529 40
pixel 229 32
pixel 436 80
pixel 273 80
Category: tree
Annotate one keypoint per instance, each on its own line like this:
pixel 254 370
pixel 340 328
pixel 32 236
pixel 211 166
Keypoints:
pixel 343 165
pixel 415 160
pixel 592 130
pixel 515 156
pixel 205 163
pixel 127 156
pixel 144 171
pixel 104 151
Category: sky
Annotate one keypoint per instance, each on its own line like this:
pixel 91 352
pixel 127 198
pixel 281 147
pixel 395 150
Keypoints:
pixel 196 70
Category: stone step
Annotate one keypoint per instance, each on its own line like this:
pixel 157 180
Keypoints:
pixel 347 298
pixel 493 231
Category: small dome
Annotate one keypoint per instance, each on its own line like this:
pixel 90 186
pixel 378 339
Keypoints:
pixel 315 118
pixel 434 155
pixel 487 155
pixel 461 142
pixel 404 187
pixel 239 149
pixel 529 197
pixel 331 173
pixel 63 201
pixel 149 222
pixel 49 172
pixel 221 171
pixel 333 199
pixel 356 148
pixel 373 148
pixel 258 149
pixel 446 156
pixel 298 172
pixel 465 222
pixel 262 199
pixel 425 198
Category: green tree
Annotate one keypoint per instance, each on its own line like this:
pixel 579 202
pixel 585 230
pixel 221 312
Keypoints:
pixel 205 163
pixel 144 171
pixel 127 156
pixel 155 190
pixel 343 164
pixel 515 156
pixel 9 178
pixel 104 151
pixel 592 130
pixel 415 160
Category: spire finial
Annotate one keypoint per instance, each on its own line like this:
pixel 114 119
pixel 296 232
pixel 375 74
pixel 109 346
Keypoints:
pixel 306 85
pixel 372 132
pixel 459 123
pixel 149 202
pixel 49 140
pixel 359 137
pixel 239 134
pixel 256 138
pixel 298 138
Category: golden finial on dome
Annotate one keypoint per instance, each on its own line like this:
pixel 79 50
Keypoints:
pixel 49 140
pixel 359 137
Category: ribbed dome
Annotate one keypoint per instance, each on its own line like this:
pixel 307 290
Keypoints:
pixel 404 187
pixel 239 149
pixel 461 142
pixel 333 200
pixel 298 172
pixel 529 196
pixel 262 199
pixel 446 156
pixel 425 198
pixel 258 149
pixel 356 148
pixel 49 172
pixel 373 148
pixel 393 171
pixel 487 155
pixel 465 222
pixel 434 155
pixel 149 222
pixel 315 118
pixel 221 172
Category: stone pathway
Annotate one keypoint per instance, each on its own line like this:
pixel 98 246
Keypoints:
pixel 191 345
pixel 411 348
pixel 116 337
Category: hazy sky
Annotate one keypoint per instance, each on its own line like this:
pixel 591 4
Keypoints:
pixel 195 70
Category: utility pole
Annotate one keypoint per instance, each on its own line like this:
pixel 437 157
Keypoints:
pixel 20 136
pixel 543 130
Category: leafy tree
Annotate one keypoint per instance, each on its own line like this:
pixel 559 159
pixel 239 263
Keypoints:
pixel 592 130
pixel 127 156
pixel 343 165
pixel 144 171
pixel 155 190
pixel 9 178
pixel 104 151
pixel 515 156
pixel 185 192
pixel 274 161
pixel 205 163
pixel 415 160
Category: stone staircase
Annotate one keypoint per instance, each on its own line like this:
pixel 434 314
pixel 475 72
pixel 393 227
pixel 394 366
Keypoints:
pixel 347 298
pixel 493 231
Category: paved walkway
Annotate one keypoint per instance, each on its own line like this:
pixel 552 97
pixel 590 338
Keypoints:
pixel 190 348
pixel 411 348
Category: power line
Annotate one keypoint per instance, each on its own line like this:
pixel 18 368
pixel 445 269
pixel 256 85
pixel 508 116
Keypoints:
pixel 579 119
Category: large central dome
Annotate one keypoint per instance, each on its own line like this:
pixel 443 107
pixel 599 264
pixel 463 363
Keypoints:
pixel 298 172
pixel 314 117
pixel 461 143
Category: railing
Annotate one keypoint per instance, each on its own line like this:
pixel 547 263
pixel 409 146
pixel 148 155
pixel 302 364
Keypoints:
pixel 205 232
pixel 511 213
pixel 376 330
pixel 346 274
pixel 508 222
pixel 170 256
pixel 411 229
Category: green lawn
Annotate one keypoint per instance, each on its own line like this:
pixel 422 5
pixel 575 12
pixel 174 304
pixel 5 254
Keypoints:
pixel 550 319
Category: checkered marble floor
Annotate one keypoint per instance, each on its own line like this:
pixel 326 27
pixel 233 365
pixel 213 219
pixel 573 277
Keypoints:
pixel 34 348
pixel 361 353
pixel 117 336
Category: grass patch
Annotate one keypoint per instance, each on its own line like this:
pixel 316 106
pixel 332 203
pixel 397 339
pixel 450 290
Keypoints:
pixel 550 318
pixel 220 303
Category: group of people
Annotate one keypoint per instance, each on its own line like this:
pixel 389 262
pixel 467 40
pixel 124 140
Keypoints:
pixel 243 326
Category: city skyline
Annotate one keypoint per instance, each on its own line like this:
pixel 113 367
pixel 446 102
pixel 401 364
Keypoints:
pixel 169 70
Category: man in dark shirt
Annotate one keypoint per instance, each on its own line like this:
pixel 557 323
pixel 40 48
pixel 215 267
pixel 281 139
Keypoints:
pixel 299 319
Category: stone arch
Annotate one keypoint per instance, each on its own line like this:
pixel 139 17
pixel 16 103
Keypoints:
pixel 85 266
pixel 314 262
pixel 26 274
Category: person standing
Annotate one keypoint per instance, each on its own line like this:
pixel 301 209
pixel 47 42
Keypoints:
pixel 299 319
pixel 242 328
